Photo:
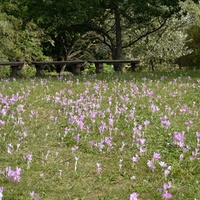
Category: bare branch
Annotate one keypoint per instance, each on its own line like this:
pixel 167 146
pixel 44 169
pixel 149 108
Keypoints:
pixel 75 43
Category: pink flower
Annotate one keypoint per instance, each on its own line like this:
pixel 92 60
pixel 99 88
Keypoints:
pixel 123 145
pixel 165 121
pixel 151 164
pixel 181 156
pixel 14 175
pixel 135 158
pixel 166 172
pixel 70 91
pixel 20 107
pixel 198 134
pixel 162 164
pixel 142 150
pixel 111 121
pixel 151 94
pixel 146 123
pixel 99 169
pixel 179 138
pixel 74 148
pixel 166 186
pixel 134 196
pixel 108 141
pixel 154 108
pixel 1 193
pixel 92 143
pixel 34 196
pixel 77 138
pixel 167 195
pixel 160 190
pixel 29 157
pixel 156 156
pixel 10 148
pixel 2 122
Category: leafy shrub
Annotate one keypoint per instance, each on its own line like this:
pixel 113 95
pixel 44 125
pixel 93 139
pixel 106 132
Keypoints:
pixel 4 71
pixel 28 71
pixel 108 68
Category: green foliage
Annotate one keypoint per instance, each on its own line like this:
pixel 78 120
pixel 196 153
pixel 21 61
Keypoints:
pixel 192 8
pixel 172 42
pixel 18 39
pixel 192 40
pixel 90 69
pixel 28 71
pixel 164 46
pixel 7 34
pixel 66 23
pixel 62 30
pixel 4 71
pixel 108 69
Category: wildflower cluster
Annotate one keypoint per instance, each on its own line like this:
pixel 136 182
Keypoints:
pixel 113 136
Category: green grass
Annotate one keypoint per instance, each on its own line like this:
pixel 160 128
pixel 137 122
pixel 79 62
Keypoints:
pixel 41 117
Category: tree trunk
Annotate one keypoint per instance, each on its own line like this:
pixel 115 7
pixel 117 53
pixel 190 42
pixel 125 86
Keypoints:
pixel 117 50
pixel 152 64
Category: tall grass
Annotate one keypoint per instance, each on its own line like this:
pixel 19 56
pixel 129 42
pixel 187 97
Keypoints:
pixel 119 136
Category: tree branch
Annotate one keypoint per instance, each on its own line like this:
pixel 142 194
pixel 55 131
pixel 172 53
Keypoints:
pixel 144 35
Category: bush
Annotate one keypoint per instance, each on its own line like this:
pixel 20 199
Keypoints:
pixel 191 61
pixel 108 68
pixel 28 71
pixel 4 71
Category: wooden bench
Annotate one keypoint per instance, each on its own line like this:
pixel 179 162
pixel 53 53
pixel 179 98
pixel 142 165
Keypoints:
pixel 99 64
pixel 15 67
pixel 40 66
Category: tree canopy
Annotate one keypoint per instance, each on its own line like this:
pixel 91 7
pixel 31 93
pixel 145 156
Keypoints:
pixel 87 28
pixel 18 39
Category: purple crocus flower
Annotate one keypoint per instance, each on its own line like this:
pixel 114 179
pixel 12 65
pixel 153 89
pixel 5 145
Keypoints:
pixel 134 196
pixel 34 196
pixel 1 193
pixel 179 138
pixel 92 143
pixel 167 195
pixel 151 165
pixel 135 158
pixel 2 122
pixel 156 156
pixel 14 175
pixel 163 164
pixel 99 169
pixel 151 94
pixel 146 122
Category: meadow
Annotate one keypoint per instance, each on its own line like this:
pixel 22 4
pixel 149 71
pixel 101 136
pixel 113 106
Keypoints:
pixel 111 136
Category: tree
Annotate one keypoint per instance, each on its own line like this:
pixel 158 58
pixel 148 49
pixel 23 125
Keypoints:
pixel 124 23
pixel 163 47
pixel 86 24
pixel 112 20
pixel 192 8
pixel 57 19
pixel 6 34
pixel 17 39
pixel 192 40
